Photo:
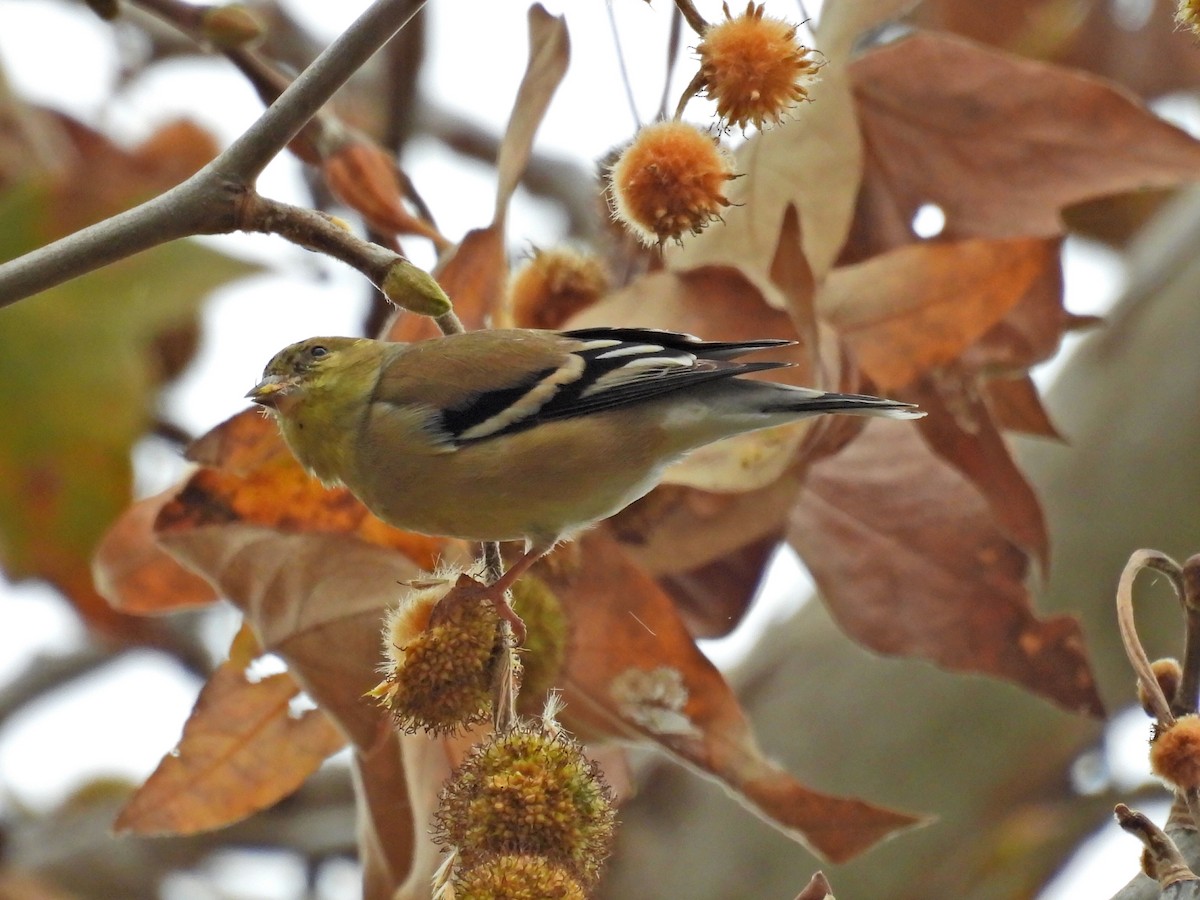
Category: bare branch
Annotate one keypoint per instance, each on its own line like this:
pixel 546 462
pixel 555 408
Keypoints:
pixel 207 202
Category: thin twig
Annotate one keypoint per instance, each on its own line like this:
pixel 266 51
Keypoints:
pixel 1187 696
pixel 207 203
pixel 1168 863
pixel 1159 562
pixel 692 16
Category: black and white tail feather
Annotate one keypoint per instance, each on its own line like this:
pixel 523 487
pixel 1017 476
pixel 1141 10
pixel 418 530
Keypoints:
pixel 616 367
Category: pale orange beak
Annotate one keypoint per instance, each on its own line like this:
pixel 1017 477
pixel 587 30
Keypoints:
pixel 269 391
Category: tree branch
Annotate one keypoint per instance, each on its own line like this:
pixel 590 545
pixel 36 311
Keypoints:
pixel 207 202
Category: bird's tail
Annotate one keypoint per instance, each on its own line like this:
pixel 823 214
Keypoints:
pixel 803 400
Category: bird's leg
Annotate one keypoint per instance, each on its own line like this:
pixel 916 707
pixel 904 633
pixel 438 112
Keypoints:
pixel 497 591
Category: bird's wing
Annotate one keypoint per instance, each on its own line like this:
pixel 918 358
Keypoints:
pixel 583 372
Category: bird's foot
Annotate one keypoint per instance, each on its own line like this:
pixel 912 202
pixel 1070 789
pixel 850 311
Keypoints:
pixel 497 595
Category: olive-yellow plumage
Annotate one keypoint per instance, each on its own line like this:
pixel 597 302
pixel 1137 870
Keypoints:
pixel 521 434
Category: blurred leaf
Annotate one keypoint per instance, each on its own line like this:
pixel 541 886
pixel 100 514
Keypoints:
pixel 80 364
pixel 251 478
pixel 242 751
pixel 1016 405
pixel 1152 59
pixel 635 673
pixel 77 383
pixel 1000 144
pixel 906 555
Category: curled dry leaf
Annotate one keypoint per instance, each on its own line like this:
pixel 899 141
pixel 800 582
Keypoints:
pixel 364 177
pixel 1000 144
pixel 1016 405
pixel 633 672
pixel 474 275
pixel 242 750
pixel 897 541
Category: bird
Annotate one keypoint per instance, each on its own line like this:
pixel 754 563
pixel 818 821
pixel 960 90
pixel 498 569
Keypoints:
pixel 522 434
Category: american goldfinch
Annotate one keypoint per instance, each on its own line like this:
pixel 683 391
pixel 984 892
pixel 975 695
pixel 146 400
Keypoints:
pixel 522 434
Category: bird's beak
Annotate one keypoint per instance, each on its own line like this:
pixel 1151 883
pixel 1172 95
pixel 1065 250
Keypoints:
pixel 269 391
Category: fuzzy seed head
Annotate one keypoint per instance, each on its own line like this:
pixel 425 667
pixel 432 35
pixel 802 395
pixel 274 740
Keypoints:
pixel 530 793
pixel 669 181
pixel 754 67
pixel 1187 15
pixel 554 285
pixel 545 640
pixel 1175 753
pixel 517 877
pixel 439 676
pixel 1168 673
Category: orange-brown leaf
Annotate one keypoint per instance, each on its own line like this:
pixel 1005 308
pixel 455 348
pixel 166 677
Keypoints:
pixel 633 672
pixel 242 750
pixel 908 557
pixel 137 576
pixel 279 494
pixel 390 836
pixel 923 305
pixel 240 444
pixel 364 177
pixel 473 277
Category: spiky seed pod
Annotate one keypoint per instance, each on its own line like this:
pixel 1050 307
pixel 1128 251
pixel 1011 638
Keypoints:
pixel 1175 753
pixel 532 793
pixel 1187 15
pixel 439 666
pixel 754 67
pixel 669 181
pixel 545 641
pixel 554 285
pixel 517 877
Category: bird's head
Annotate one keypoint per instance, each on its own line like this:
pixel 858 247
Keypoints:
pixel 305 368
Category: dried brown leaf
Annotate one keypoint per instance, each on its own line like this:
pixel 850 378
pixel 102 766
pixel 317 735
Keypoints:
pixel 1000 144
pixel 1153 59
pixel 1016 405
pixel 959 429
pixel 137 576
pixel 242 750
pixel 634 672
pixel 907 556
pixel 473 277
pixel 549 54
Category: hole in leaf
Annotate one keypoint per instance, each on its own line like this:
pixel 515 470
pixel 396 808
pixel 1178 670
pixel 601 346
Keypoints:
pixel 928 221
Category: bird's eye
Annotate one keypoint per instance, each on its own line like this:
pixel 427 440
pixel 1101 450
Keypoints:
pixel 318 351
